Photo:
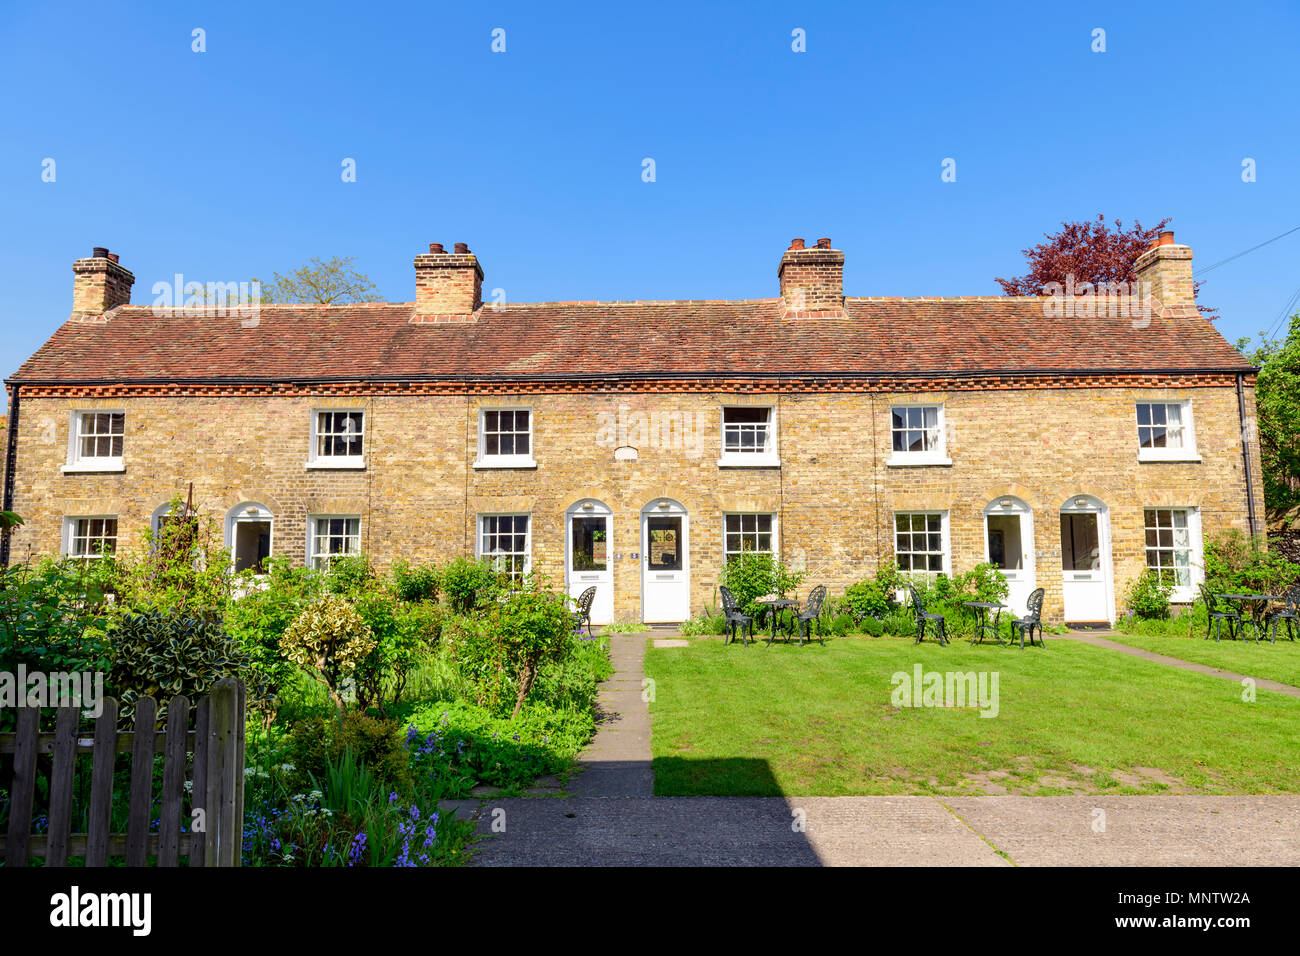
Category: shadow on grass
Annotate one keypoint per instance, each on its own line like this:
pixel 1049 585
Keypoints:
pixel 715 776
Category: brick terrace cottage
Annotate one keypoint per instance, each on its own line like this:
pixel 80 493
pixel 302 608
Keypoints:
pixel 635 445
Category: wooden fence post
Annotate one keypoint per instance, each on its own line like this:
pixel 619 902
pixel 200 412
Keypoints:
pixel 225 775
pixel 20 797
pixel 103 757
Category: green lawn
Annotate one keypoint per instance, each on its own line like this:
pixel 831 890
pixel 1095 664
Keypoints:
pixel 1072 719
pixel 1279 662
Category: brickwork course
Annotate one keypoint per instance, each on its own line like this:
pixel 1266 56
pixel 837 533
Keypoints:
pixel 626 402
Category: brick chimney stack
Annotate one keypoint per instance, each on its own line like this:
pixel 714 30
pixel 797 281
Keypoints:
pixel 447 283
pixel 812 280
pixel 99 284
pixel 1167 266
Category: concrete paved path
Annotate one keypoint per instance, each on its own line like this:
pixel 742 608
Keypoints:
pixel 1098 639
pixel 617 762
pixel 891 831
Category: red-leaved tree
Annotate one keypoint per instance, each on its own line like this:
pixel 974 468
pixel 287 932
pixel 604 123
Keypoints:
pixel 1093 252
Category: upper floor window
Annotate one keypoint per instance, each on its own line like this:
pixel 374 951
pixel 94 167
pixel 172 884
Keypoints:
pixel 921 541
pixel 1165 430
pixel 97 440
pixel 504 541
pixel 505 438
pixel 90 537
pixel 917 435
pixel 747 532
pixel 330 537
pixel 748 436
pixel 338 439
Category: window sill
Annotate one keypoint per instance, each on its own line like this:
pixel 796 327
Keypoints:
pixel 1182 457
pixel 917 461
pixel 486 463
pixel 87 467
pixel 343 464
pixel 764 460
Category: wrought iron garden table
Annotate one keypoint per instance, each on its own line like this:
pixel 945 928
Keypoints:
pixel 1254 616
pixel 982 625
pixel 773 609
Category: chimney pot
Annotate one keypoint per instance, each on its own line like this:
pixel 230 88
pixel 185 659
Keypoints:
pixel 112 256
pixel 1166 238
pixel 823 243
pixel 435 248
pixel 796 243
pixel 461 249
pixel 99 252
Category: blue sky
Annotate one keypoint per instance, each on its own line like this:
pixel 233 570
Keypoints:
pixel 226 164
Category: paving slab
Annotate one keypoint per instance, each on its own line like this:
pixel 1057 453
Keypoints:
pixel 1191 830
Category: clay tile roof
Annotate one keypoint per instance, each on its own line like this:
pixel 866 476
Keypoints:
pixel 872 337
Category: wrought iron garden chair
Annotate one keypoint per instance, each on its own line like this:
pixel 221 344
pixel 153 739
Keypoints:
pixel 1032 619
pixel 1288 612
pixel 811 614
pixel 924 617
pixel 583 613
pixel 1216 612
pixel 732 618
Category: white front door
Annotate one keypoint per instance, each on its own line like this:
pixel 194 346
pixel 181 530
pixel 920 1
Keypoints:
pixel 665 563
pixel 1085 562
pixel 589 563
pixel 1009 547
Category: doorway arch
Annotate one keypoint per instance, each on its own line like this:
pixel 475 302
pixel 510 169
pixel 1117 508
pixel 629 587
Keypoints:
pixel 589 555
pixel 665 562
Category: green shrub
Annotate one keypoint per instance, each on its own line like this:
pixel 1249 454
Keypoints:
pixel 706 622
pixel 329 639
pixel 873 596
pixel 469 584
pixel 419 582
pixel 1148 596
pixel 1237 563
pixel 52 615
pixel 404 634
pixel 160 656
pixel 873 627
pixel 349 575
pixel 753 574
pixel 503 651
pixel 373 742
pixel 899 623
pixel 184 567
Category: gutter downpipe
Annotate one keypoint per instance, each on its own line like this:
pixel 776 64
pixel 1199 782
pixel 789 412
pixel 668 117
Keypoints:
pixel 1245 451
pixel 11 450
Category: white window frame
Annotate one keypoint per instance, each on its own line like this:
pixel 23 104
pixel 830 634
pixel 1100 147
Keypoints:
pixel 481 519
pixel 313 554
pixel 945 542
pixel 316 460
pixel 1182 594
pixel 931 456
pixel 92 463
pixel 69 534
pixel 1188 450
pixel 775 533
pixel 769 456
pixel 484 460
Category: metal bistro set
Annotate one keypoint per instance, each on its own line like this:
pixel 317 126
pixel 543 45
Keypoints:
pixel 1261 613
pixel 1022 626
pixel 803 616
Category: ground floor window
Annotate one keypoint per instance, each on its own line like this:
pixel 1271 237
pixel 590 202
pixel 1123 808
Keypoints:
pixel 921 541
pixel 1170 546
pixel 747 533
pixel 331 537
pixel 503 540
pixel 91 537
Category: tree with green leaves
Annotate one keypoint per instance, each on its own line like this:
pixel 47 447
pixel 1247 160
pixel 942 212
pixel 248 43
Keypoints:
pixel 333 282
pixel 1277 402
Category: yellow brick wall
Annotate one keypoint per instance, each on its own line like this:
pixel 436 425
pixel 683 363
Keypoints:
pixel 419 494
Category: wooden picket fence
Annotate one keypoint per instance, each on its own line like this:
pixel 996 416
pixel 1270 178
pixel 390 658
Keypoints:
pixel 217 746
